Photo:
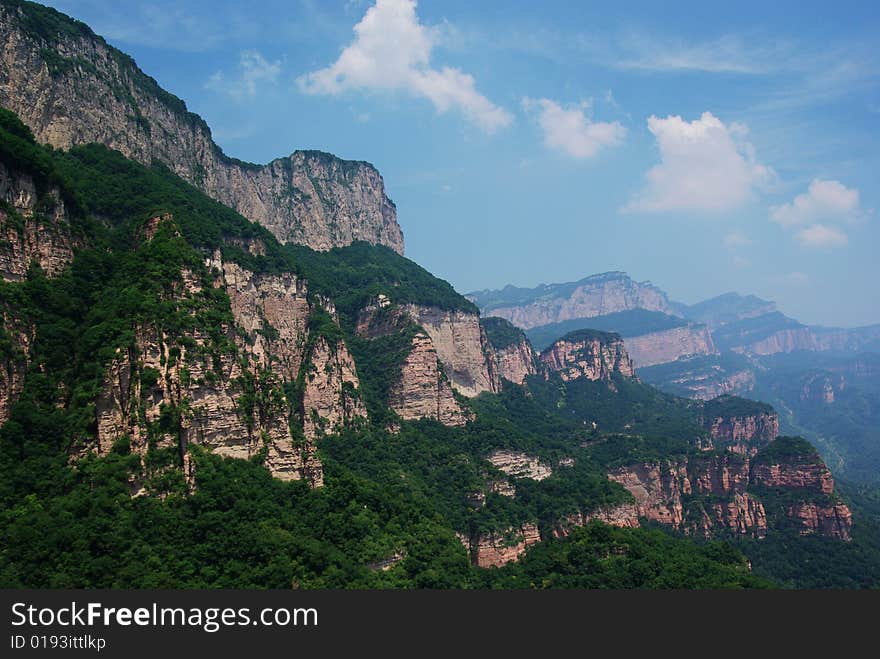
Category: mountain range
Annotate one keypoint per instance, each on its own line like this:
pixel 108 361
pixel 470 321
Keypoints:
pixel 227 375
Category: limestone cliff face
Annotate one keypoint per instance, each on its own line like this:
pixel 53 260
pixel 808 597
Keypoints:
pixel 330 398
pixel 497 549
pixel 516 362
pixel 786 340
pixel 743 434
pixel 423 391
pixel 594 296
pixel 519 465
pixel 75 89
pixel 833 520
pixel 591 355
pixel 669 345
pixel 34 228
pixel 462 347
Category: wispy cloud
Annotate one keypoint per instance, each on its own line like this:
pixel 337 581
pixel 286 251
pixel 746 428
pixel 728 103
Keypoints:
pixel 253 71
pixel 392 51
pixel 571 131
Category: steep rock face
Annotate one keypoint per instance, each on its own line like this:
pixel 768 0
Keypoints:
pixel 657 489
pixel 743 434
pixel 791 474
pixel 786 340
pixel 75 89
pixel 594 296
pixel 833 520
pixel 422 390
pixel 462 347
pixel 624 515
pixel 595 356
pixel 519 465
pixel 516 362
pixel 193 400
pixel 497 549
pixel 273 311
pixel 669 345
pixel 330 398
pixel 34 227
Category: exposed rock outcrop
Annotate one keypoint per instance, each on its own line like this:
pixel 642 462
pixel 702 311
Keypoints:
pixel 669 345
pixel 423 391
pixel 17 339
pixel 722 492
pixel 786 340
pixel 71 88
pixel 497 549
pixel 330 397
pixel 743 434
pixel 519 465
pixel 514 355
pixel 462 347
pixel 588 354
pixel 34 228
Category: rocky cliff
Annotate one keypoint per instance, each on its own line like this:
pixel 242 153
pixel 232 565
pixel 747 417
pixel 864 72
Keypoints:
pixel 743 433
pixel 70 87
pixel 588 354
pixel 594 296
pixel 669 345
pixel 497 549
pixel 225 388
pixel 462 347
pixel 422 390
pixel 34 227
pixel 514 355
pixel 726 492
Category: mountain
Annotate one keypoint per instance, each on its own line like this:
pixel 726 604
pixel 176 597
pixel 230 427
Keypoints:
pixel 188 401
pixel 72 88
pixel 597 295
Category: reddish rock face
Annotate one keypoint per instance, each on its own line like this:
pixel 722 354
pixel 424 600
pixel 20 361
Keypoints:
pixel 834 520
pixel 497 549
pixel 593 359
pixel 422 390
pixel 744 434
pixel 516 362
pixel 812 476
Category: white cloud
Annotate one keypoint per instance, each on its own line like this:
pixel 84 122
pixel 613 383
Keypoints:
pixel 706 166
pixel 812 213
pixel 736 239
pixel 823 201
pixel 253 70
pixel 571 131
pixel 820 235
pixel 392 51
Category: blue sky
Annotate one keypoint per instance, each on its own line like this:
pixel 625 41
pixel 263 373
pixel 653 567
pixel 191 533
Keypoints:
pixel 705 146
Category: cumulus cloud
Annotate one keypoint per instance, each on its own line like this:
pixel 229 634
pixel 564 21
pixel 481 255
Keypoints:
pixel 392 51
pixel 253 70
pixel 813 212
pixel 820 235
pixel 706 166
pixel 571 131
pixel 823 201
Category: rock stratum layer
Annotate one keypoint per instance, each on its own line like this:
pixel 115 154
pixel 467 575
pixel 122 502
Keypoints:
pixel 590 355
pixel 70 87
pixel 669 345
